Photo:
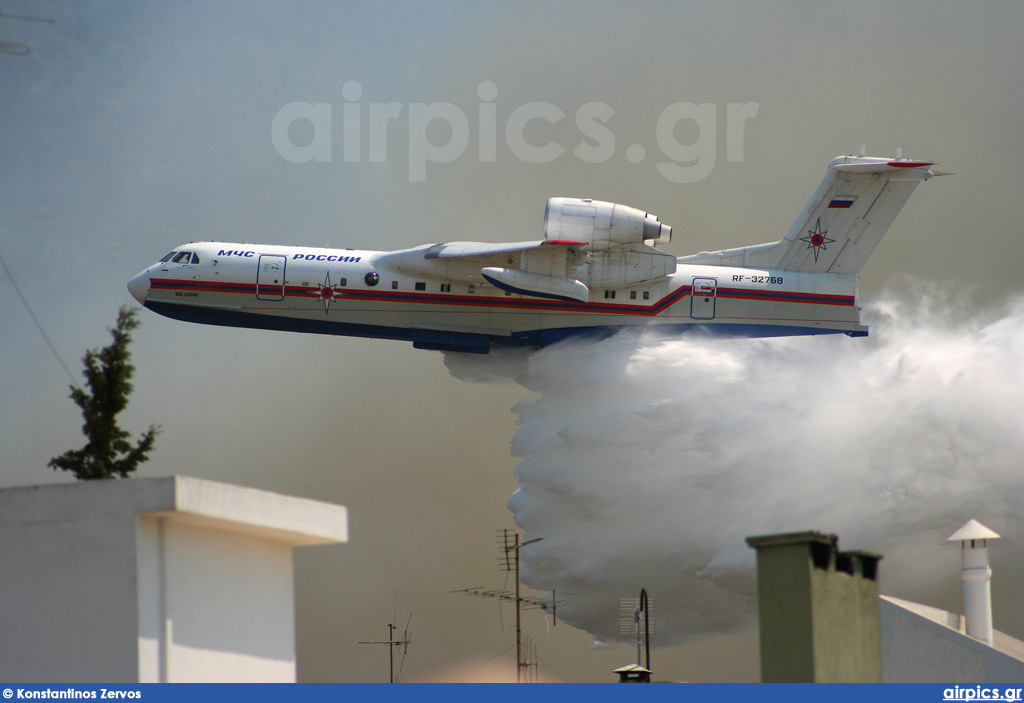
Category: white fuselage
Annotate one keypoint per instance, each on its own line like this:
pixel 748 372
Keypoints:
pixel 360 293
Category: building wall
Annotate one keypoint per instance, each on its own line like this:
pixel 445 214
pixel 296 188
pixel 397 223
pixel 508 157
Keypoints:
pixel 67 585
pixel 214 605
pixel 168 579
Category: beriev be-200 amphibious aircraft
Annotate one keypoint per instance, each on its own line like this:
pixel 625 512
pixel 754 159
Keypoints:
pixel 594 272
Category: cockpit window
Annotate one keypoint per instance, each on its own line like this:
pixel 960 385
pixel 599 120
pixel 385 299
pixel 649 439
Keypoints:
pixel 185 257
pixel 168 257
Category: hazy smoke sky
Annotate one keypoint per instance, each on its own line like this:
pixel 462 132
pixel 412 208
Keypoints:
pixel 135 127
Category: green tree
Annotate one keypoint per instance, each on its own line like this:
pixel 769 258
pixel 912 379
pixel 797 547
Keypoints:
pixel 108 374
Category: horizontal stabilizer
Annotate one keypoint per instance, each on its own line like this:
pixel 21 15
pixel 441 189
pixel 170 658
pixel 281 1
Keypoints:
pixel 536 284
pixel 867 164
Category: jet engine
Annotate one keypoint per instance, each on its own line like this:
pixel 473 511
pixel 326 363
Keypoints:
pixel 603 225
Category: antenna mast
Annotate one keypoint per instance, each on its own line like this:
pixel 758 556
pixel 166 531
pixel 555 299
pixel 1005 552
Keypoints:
pixel 508 560
pixel 403 642
pixel 631 610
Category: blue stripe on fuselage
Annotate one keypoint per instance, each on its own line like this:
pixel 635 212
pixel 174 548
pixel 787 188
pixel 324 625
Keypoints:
pixel 531 338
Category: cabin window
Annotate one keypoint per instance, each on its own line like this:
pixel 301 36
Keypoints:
pixel 372 278
pixel 446 287
pixel 632 295
pixel 394 285
pixel 647 295
pixel 420 285
pixel 472 288
pixel 609 294
pixel 343 282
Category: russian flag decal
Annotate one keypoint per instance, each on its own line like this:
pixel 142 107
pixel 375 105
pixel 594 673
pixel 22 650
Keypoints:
pixel 842 201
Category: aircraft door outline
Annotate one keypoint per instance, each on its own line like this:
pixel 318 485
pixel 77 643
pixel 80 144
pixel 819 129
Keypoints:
pixel 702 298
pixel 270 277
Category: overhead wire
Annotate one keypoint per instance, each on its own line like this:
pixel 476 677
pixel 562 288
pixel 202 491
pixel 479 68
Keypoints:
pixel 35 320
pixel 465 677
pixel 555 671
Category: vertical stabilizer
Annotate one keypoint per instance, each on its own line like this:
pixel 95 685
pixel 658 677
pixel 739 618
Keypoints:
pixel 842 222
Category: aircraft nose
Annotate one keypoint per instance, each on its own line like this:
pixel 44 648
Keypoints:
pixel 139 287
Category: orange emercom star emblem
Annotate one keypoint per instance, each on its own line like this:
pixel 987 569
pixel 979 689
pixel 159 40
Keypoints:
pixel 816 239
pixel 327 292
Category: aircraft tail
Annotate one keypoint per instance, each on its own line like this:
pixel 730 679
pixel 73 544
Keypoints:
pixel 841 224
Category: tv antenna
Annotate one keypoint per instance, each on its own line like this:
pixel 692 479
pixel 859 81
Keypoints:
pixel 508 561
pixel 394 644
pixel 16 47
pixel 530 660
pixel 631 610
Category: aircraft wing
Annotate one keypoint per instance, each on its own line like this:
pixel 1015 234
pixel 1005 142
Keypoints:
pixel 542 268
pixel 472 250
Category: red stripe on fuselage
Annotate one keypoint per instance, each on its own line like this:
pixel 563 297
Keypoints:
pixel 169 284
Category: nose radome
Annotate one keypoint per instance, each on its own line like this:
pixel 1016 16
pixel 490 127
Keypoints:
pixel 139 287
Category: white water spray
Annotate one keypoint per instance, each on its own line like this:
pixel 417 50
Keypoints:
pixel 645 460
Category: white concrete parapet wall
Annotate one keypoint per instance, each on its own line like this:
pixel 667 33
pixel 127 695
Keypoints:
pixel 146 580
pixel 922 644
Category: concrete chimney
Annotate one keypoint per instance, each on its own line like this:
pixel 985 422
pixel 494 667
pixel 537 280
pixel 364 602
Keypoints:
pixel 976 576
pixel 818 610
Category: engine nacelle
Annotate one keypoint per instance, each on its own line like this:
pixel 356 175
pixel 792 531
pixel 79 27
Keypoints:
pixel 604 225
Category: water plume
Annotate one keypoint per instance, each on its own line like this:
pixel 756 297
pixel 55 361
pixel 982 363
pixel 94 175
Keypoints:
pixel 646 460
